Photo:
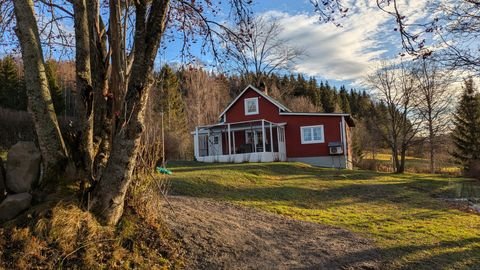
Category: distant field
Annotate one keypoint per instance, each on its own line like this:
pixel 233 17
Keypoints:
pixel 413 164
pixel 412 227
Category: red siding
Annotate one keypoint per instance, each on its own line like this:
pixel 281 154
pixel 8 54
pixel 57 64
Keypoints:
pixel 294 146
pixel 267 110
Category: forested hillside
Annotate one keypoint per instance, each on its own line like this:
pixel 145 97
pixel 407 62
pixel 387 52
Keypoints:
pixel 190 96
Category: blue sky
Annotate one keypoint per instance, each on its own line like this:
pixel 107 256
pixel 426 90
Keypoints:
pixel 341 55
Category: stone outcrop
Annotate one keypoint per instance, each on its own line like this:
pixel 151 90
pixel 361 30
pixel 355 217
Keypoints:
pixel 23 167
pixel 14 205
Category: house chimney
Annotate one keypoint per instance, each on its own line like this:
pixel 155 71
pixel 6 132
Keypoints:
pixel 263 87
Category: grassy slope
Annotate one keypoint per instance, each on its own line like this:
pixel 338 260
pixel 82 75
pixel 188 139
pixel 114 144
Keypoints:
pixel 412 228
pixel 59 234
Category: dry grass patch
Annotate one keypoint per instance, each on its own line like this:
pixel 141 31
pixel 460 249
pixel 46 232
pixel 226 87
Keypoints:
pixel 62 235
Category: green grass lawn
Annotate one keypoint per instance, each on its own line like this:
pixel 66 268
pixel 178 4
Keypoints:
pixel 402 213
pixel 412 164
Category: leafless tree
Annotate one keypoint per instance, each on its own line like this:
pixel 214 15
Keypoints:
pixel 114 78
pixel 301 104
pixel 397 120
pixel 434 102
pixel 455 26
pixel 205 95
pixel 257 47
pixel 41 108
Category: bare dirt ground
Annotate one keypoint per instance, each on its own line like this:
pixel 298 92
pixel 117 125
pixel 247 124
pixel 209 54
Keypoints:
pixel 221 235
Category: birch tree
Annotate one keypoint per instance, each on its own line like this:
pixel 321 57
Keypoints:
pixel 256 47
pixel 434 103
pixel 113 82
pixel 396 119
pixel 40 103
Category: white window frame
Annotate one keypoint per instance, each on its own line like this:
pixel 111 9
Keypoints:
pixel 311 130
pixel 246 108
pixel 255 133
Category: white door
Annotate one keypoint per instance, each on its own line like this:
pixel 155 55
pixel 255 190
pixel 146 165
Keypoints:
pixel 215 145
pixel 203 145
pixel 282 151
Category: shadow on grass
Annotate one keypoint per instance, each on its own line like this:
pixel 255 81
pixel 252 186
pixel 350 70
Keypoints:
pixel 319 188
pixel 465 255
pixel 403 194
pixel 275 169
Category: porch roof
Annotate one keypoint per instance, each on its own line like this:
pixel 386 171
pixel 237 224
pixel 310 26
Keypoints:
pixel 244 125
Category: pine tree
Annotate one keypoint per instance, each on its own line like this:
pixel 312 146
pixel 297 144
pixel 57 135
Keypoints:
pixel 327 97
pixel 13 94
pixel 55 89
pixel 343 100
pixel 172 103
pixel 466 135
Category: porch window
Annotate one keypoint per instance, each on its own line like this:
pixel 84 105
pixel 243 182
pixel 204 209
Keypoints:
pixel 312 134
pixel 251 106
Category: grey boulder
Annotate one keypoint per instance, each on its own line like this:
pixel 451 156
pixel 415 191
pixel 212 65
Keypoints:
pixel 14 205
pixel 23 167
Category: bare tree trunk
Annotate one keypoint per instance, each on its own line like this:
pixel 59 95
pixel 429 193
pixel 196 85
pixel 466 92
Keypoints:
pixel 103 111
pixel 109 193
pixel 40 103
pixel 84 83
pixel 432 150
pixel 118 72
pixel 401 167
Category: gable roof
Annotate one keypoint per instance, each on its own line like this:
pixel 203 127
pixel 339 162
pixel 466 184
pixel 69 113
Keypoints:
pixel 272 100
pixel 287 111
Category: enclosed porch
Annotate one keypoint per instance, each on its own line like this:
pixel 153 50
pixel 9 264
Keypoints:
pixel 252 141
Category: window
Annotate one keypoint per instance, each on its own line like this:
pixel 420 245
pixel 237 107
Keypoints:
pixel 251 106
pixel 312 134
pixel 255 137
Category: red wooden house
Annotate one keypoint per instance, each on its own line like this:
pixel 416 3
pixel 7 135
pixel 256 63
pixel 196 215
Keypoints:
pixel 256 128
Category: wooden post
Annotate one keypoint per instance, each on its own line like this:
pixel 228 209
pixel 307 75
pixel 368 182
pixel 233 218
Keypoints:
pixel 271 138
pixel 263 135
pixel 163 144
pixel 229 140
pixel 234 150
pixel 344 141
pixel 195 144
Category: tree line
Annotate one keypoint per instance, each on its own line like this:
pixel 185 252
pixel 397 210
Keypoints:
pixel 190 96
pixel 406 105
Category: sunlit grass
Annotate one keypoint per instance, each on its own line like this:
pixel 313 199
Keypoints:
pixel 401 213
pixel 412 164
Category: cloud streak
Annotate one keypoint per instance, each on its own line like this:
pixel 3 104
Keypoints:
pixel 345 53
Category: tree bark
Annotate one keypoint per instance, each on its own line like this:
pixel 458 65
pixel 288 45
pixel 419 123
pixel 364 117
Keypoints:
pixel 401 167
pixel 109 193
pixel 84 83
pixel 40 104
pixel 103 111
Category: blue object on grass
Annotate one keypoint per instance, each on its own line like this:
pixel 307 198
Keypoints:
pixel 163 170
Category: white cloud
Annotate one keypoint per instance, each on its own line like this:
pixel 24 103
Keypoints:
pixel 345 53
